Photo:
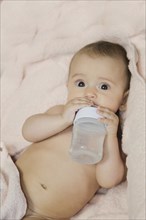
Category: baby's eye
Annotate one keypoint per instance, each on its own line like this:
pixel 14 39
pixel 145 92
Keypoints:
pixel 80 83
pixel 103 86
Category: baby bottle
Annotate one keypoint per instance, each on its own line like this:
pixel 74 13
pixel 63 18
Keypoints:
pixel 88 136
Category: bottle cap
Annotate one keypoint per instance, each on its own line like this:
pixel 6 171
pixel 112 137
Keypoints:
pixel 87 112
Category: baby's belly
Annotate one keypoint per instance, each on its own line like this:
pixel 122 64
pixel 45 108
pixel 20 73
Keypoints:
pixel 55 185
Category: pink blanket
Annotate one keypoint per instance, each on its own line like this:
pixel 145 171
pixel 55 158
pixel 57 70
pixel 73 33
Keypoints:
pixel 38 40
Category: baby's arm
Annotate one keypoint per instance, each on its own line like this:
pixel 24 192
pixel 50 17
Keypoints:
pixel 110 171
pixel 42 126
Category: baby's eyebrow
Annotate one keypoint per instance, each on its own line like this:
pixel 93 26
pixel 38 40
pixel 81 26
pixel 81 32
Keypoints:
pixel 78 74
pixel 107 80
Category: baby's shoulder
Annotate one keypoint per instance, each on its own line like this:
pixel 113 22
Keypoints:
pixel 55 109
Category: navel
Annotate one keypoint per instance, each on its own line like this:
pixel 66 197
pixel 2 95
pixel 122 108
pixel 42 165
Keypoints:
pixel 43 186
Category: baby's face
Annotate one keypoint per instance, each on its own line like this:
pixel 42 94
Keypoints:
pixel 102 79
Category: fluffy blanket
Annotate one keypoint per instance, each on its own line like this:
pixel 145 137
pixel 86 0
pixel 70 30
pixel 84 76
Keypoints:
pixel 13 202
pixel 38 41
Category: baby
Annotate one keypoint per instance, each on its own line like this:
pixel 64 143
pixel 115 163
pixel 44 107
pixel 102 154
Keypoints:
pixel 55 186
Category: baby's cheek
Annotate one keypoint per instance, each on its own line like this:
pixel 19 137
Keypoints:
pixel 114 107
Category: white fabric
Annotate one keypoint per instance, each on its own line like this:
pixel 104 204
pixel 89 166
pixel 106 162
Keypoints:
pixel 38 41
pixel 12 202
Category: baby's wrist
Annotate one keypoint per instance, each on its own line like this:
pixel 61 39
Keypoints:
pixel 113 135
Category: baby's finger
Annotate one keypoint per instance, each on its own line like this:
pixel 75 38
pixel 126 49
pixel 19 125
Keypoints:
pixel 106 113
pixel 102 109
pixel 81 100
pixel 110 127
pixel 104 121
pixel 78 106
pixel 112 121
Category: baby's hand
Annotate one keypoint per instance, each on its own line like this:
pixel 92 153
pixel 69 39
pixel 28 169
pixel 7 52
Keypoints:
pixel 110 119
pixel 72 106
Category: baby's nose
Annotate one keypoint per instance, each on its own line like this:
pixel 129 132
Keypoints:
pixel 91 93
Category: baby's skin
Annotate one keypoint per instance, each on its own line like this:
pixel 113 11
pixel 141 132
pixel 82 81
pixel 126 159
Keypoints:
pixel 55 186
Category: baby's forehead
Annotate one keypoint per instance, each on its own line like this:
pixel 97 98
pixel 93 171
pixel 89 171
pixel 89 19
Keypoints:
pixel 83 58
pixel 106 68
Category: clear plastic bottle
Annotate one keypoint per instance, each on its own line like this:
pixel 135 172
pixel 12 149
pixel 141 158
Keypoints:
pixel 88 137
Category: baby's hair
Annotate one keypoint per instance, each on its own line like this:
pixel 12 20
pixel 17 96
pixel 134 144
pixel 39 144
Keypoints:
pixel 105 48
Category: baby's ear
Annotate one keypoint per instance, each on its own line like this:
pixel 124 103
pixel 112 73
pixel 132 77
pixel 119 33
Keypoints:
pixel 124 101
